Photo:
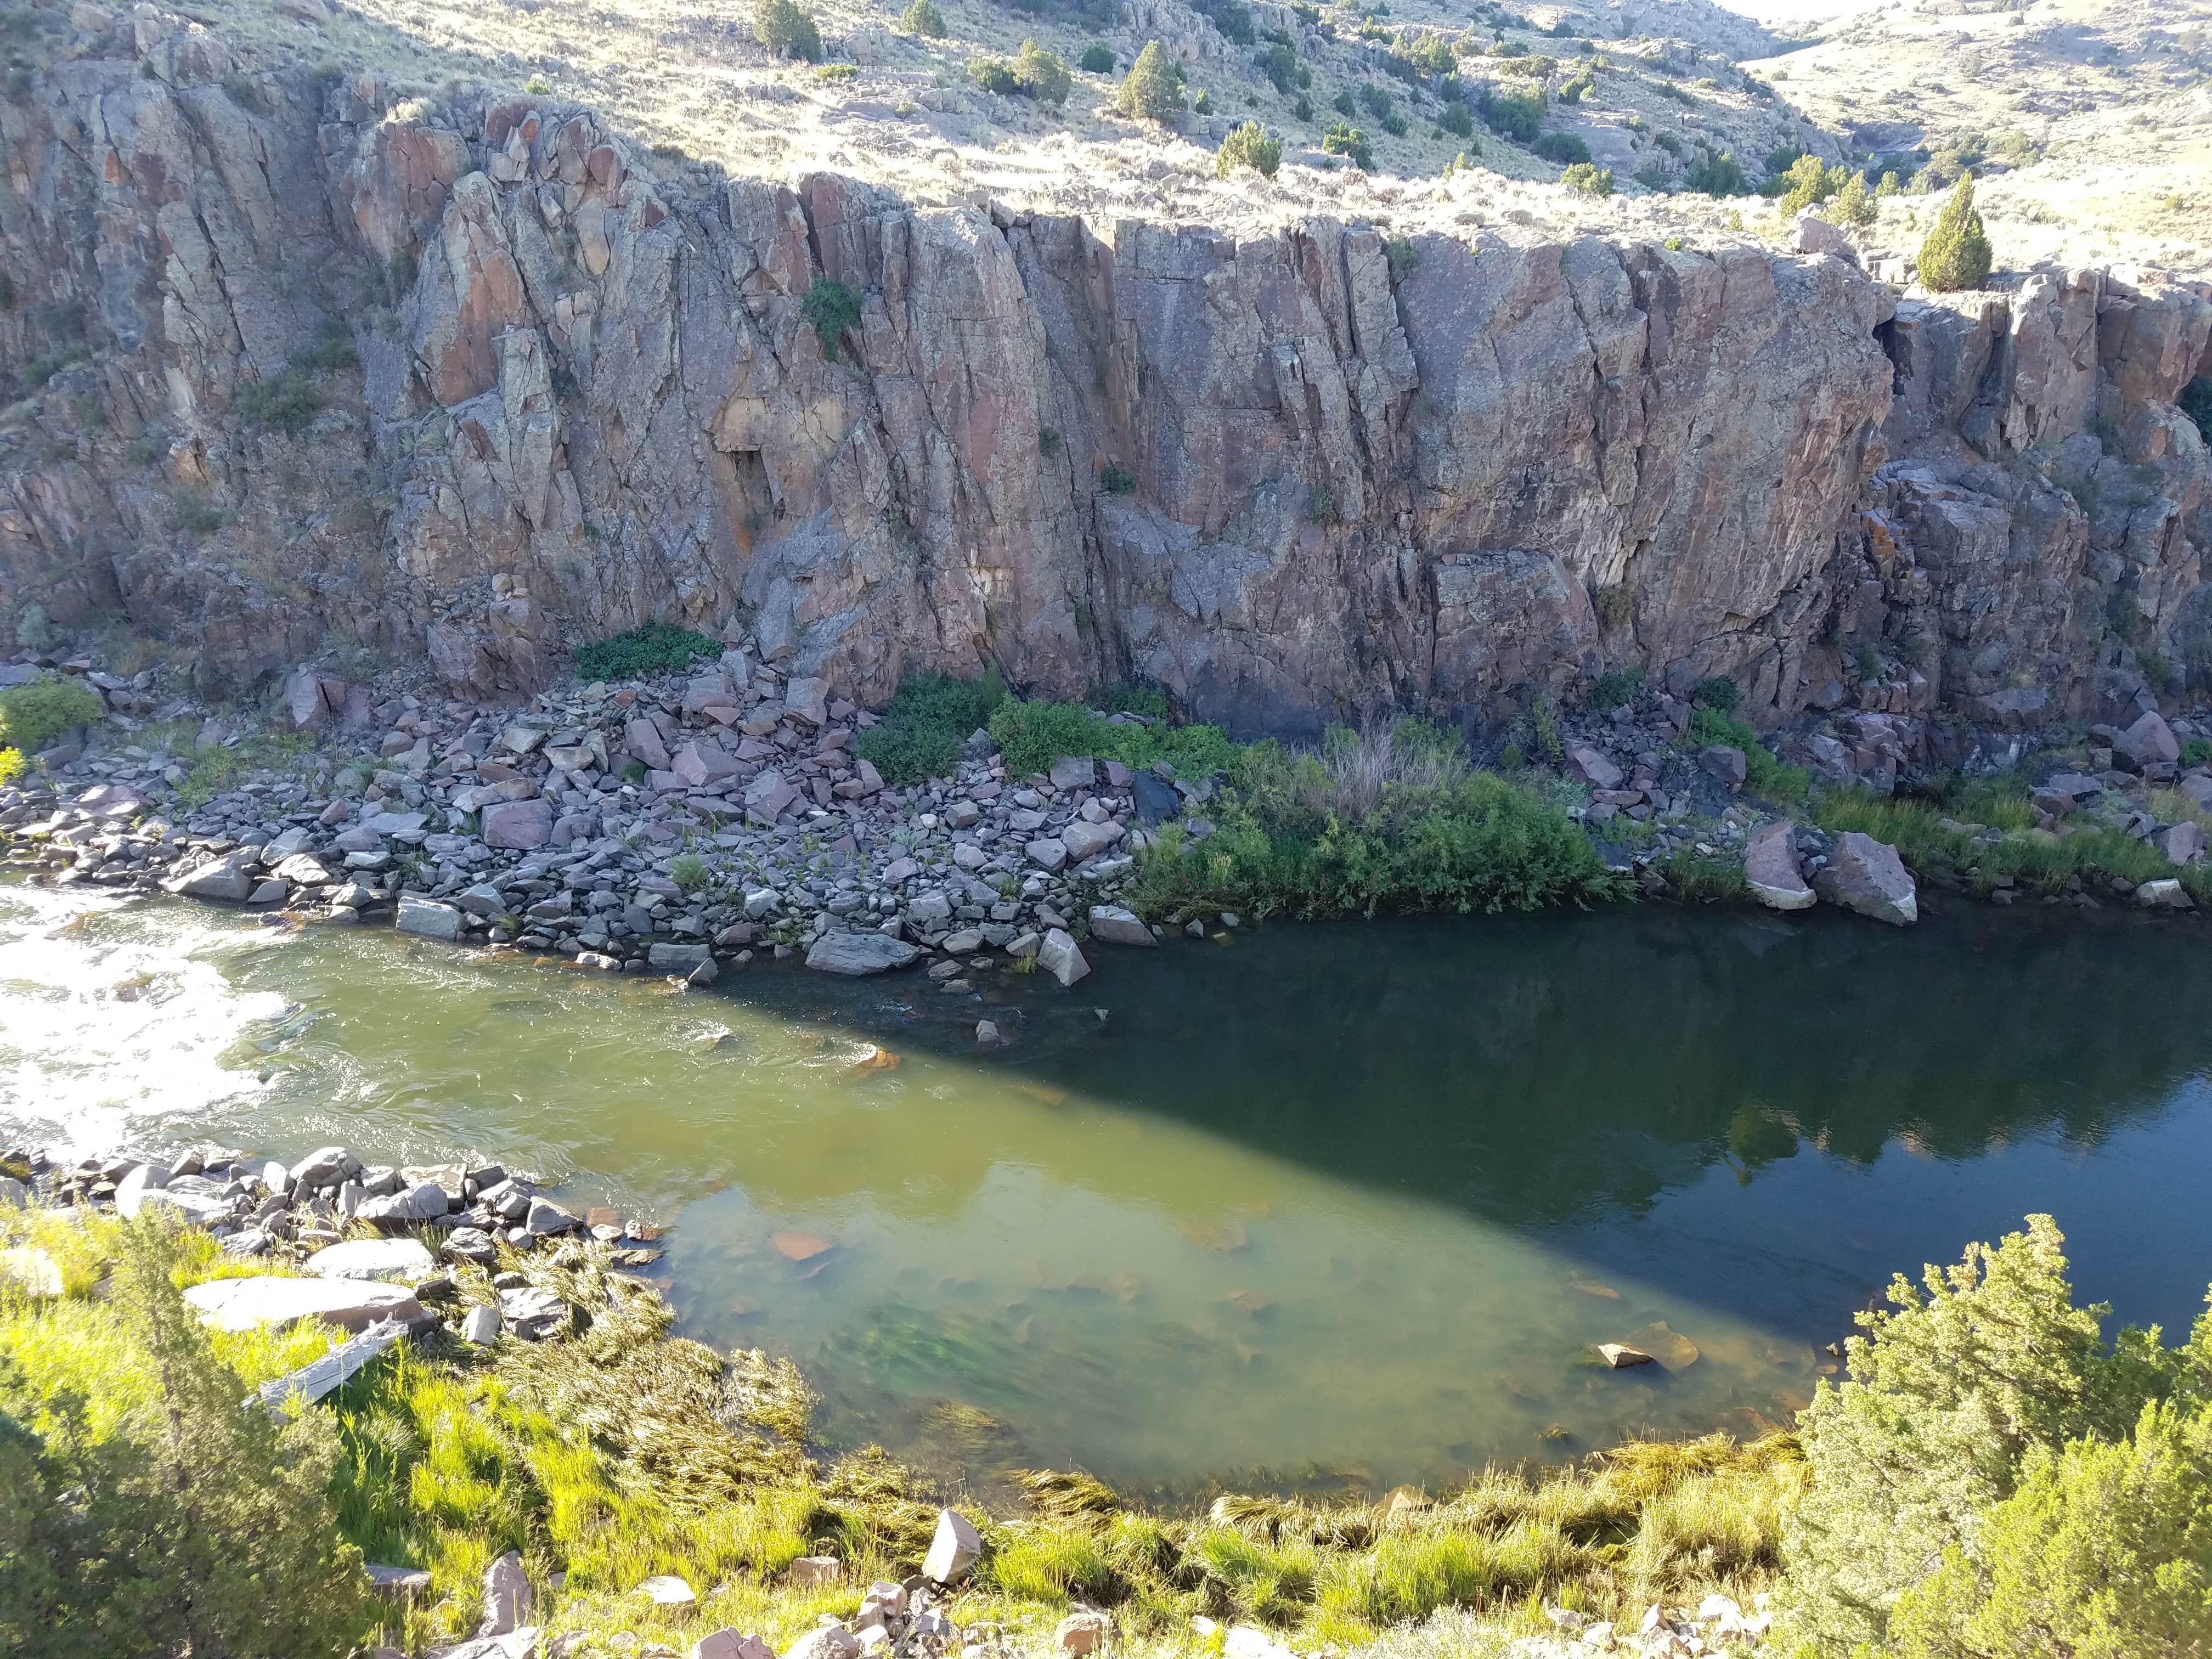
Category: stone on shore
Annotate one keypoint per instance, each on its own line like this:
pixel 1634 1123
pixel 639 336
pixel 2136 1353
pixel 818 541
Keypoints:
pixel 860 953
pixel 2183 843
pixel 373 1258
pixel 427 918
pixel 1117 926
pixel 668 1590
pixel 425 1200
pixel 2164 894
pixel 131 1191
pixel 518 825
pixel 1082 1632
pixel 31 1271
pixel 826 1642
pixel 813 1571
pixel 728 1644
pixel 1769 869
pixel 2149 741
pixel 1866 876
pixel 1059 956
pixel 244 1304
pixel 230 877
pixel 953 1550
pixel 481 1326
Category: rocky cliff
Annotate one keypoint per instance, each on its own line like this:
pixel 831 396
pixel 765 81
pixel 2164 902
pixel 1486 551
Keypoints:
pixel 305 375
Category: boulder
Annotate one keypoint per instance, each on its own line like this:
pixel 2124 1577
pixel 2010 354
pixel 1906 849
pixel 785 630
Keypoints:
pixel 1769 869
pixel 668 1590
pixel 506 1596
pixel 1049 853
pixel 131 1191
pixel 521 826
pixel 1074 772
pixel 826 1642
pixel 544 1218
pixel 1866 875
pixel 665 958
pixel 353 1304
pixel 230 877
pixel 860 953
pixel 813 1571
pixel 1816 235
pixel 2184 843
pixel 1620 1356
pixel 808 699
pixel 1058 955
pixel 1082 1632
pixel 1117 926
pixel 2149 740
pixel 31 1271
pixel 1158 800
pixel 727 1644
pixel 1725 762
pixel 399 1583
pixel 481 1326
pixel 1592 767
pixel 2164 894
pixel 955 1548
pixel 324 1167
pixel 424 1200
pixel 531 1313
pixel 1086 840
pixel 373 1258
pixel 427 918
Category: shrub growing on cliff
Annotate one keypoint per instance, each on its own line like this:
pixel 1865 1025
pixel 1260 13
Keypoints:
pixel 1988 1471
pixel 655 648
pixel 786 31
pixel 1248 145
pixel 31 716
pixel 830 308
pixel 1151 91
pixel 1955 254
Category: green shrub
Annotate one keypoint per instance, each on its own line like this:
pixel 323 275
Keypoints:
pixel 1613 690
pixel 1717 691
pixel 1032 735
pixel 1041 74
pixel 830 308
pixel 1716 173
pixel 1585 180
pixel 829 73
pixel 1518 115
pixel 290 403
pixel 655 648
pixel 1955 254
pixel 1404 256
pixel 1349 141
pixel 993 75
pixel 1949 1485
pixel 1097 59
pixel 1853 204
pixel 1279 65
pixel 1456 119
pixel 144 1511
pixel 33 715
pixel 1563 149
pixel 1117 480
pixel 1248 145
pixel 2196 402
pixel 1151 91
pixel 922 17
pixel 1764 774
pixel 786 30
pixel 921 733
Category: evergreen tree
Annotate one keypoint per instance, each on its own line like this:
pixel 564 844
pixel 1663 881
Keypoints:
pixel 786 30
pixel 1249 146
pixel 1956 252
pixel 1151 89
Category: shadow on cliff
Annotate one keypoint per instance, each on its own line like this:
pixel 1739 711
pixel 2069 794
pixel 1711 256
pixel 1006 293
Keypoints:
pixel 1565 1073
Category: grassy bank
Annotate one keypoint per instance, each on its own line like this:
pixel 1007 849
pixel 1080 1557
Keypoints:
pixel 1989 1459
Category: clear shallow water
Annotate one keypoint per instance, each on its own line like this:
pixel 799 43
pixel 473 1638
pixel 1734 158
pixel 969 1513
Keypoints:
pixel 1337 1204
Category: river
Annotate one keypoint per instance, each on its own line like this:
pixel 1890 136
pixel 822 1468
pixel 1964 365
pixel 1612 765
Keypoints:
pixel 1309 1206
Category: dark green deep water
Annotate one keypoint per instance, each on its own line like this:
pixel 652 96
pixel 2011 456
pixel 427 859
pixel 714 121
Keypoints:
pixel 1317 1203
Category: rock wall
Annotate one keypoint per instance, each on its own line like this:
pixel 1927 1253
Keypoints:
pixel 306 376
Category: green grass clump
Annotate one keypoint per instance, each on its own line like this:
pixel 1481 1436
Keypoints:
pixel 1767 776
pixel 2039 861
pixel 655 648
pixel 1033 735
pixel 932 715
pixel 33 715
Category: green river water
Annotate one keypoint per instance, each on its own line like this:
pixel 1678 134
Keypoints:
pixel 1313 1205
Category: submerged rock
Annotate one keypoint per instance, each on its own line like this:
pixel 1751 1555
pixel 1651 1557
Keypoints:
pixel 857 954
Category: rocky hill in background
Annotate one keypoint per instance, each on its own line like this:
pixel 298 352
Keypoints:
pixel 380 336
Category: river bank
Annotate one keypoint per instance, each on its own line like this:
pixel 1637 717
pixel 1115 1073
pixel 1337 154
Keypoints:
pixel 679 822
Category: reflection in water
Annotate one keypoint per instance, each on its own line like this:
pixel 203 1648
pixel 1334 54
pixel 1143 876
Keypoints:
pixel 1341 1204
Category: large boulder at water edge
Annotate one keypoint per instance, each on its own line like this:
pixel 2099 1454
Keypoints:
pixel 1867 876
pixel 1769 869
pixel 860 953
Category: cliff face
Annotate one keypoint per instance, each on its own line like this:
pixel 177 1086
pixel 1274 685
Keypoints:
pixel 1288 476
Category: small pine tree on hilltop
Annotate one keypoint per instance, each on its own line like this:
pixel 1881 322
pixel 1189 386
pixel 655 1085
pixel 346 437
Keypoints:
pixel 787 30
pixel 1956 252
pixel 1248 145
pixel 1151 90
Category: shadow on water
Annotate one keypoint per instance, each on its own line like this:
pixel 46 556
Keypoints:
pixel 1567 1073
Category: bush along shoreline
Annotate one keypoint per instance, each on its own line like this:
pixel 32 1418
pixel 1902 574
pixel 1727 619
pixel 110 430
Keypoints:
pixel 712 809
pixel 523 1461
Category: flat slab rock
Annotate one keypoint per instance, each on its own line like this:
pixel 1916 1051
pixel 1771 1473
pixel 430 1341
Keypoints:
pixel 373 1258
pixel 857 954
pixel 353 1304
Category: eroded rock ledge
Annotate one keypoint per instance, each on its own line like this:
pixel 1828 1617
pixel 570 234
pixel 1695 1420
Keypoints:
pixel 1289 476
